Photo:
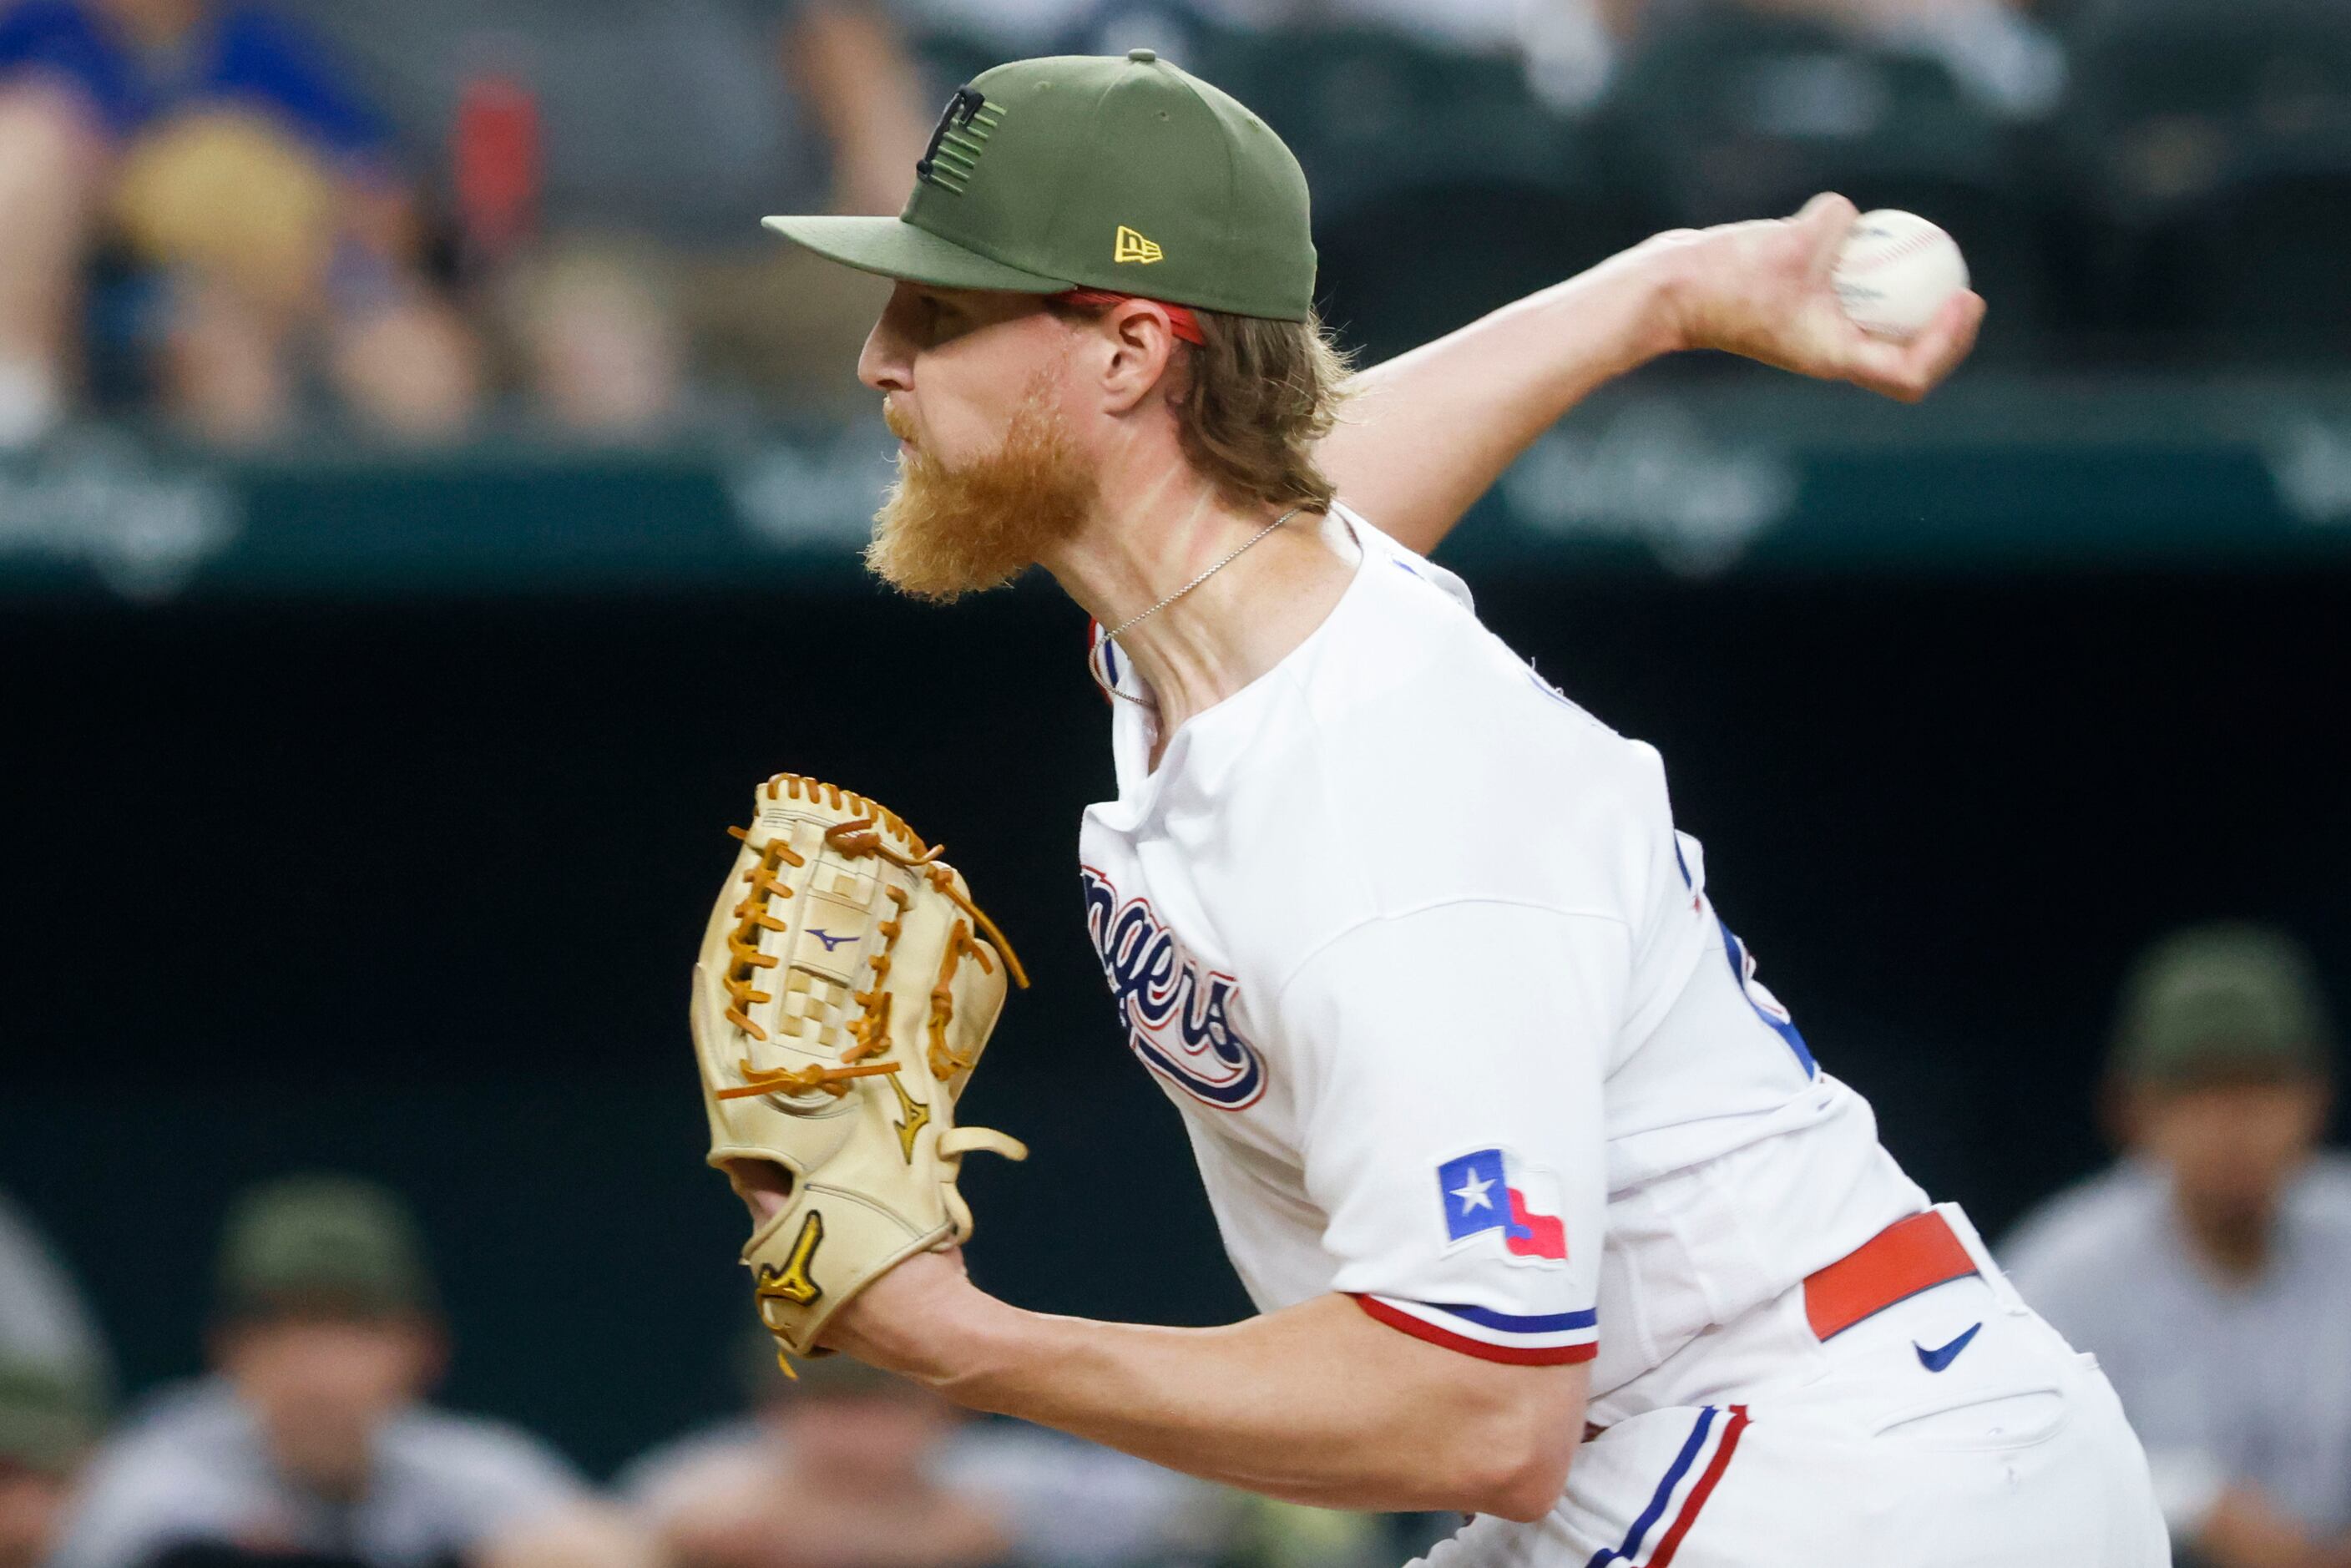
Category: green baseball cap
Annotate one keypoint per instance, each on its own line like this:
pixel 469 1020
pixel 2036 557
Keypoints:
pixel 2218 1001
pixel 50 1414
pixel 1095 171
pixel 323 1243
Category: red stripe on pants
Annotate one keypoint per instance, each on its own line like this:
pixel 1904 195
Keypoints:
pixel 1704 1489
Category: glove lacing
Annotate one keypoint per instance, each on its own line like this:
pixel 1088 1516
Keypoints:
pixel 863 835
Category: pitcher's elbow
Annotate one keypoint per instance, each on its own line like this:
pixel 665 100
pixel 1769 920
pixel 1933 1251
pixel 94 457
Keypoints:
pixel 1528 1496
pixel 1527 1482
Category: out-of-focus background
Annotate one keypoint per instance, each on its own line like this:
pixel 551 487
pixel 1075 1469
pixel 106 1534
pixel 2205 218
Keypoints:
pixel 408 440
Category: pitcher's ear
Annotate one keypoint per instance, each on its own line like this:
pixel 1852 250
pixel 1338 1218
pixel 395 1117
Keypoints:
pixel 1142 344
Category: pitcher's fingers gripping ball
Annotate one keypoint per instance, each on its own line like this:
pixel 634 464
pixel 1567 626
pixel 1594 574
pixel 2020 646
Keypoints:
pixel 1896 272
pixel 846 986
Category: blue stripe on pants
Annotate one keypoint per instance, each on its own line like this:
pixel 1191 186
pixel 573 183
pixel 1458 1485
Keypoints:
pixel 1657 1500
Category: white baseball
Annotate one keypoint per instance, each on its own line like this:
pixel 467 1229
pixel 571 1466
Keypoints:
pixel 1896 272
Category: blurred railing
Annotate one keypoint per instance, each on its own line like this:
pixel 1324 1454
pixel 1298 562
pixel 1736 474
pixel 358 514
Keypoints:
pixel 1757 474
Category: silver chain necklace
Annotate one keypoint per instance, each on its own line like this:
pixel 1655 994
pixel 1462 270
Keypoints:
pixel 1132 620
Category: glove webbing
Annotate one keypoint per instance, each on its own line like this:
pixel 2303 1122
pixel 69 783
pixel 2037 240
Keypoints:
pixel 851 839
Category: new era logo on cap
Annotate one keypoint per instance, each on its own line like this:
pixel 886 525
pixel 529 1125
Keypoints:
pixel 1482 1192
pixel 1132 246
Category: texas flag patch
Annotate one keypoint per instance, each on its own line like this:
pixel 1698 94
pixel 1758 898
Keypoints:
pixel 1487 1190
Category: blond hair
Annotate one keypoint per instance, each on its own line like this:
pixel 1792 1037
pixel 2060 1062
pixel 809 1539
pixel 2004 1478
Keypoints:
pixel 1252 402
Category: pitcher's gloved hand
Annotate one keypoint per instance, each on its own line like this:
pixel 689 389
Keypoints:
pixel 846 986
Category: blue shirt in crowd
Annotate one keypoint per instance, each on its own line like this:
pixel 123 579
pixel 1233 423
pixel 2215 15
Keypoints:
pixel 240 54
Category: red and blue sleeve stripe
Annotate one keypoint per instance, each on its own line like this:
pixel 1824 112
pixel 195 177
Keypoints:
pixel 1540 1339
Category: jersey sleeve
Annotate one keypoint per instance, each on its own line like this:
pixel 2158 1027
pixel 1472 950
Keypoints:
pixel 1452 1122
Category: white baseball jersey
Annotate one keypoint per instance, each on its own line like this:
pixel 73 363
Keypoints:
pixel 1412 942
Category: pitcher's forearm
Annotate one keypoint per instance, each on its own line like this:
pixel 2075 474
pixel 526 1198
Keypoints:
pixel 1429 431
pixel 1317 1404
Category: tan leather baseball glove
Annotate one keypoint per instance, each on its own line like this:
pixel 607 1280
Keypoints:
pixel 846 986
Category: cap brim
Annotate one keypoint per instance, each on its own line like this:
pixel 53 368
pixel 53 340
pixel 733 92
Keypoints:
pixel 896 249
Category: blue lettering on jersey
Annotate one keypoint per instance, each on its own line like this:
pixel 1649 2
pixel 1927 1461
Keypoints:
pixel 1177 1019
pixel 1767 1007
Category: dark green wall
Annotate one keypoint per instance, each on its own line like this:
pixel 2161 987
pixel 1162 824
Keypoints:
pixel 413 890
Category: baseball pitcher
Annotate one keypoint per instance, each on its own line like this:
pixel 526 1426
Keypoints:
pixel 1551 1214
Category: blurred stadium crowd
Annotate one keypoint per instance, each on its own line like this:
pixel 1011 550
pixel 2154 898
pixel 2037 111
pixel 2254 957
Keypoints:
pixel 310 1444
pixel 2208 1270
pixel 453 218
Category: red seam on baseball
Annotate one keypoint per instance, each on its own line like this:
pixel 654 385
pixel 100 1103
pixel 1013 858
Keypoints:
pixel 1897 252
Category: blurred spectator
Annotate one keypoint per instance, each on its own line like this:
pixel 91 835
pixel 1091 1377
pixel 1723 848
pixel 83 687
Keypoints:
pixel 222 147
pixel 1998 49
pixel 839 1473
pixel 49 1413
pixel 1107 26
pixel 1568 45
pixel 43 1320
pixel 310 1442
pixel 660 135
pixel 53 1380
pixel 849 1468
pixel 2210 1270
pixel 597 337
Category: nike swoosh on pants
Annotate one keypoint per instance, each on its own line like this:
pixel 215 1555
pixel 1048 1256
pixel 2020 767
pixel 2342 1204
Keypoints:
pixel 1936 1360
